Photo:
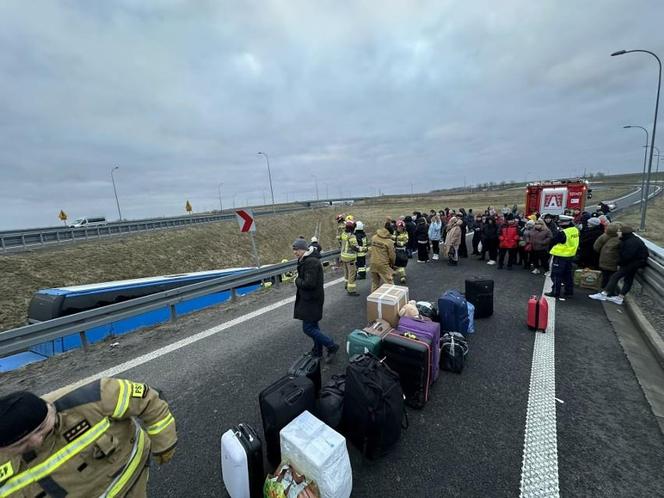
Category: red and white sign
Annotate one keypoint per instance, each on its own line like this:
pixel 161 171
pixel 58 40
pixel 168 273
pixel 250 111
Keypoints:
pixel 245 218
pixel 554 200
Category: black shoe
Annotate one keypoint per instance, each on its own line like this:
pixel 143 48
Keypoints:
pixel 353 293
pixel 331 353
pixel 551 294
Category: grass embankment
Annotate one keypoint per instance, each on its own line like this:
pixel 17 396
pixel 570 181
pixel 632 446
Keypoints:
pixel 205 247
pixel 654 220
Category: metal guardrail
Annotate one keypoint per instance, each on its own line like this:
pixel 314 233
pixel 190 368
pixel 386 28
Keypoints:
pixel 19 240
pixel 652 276
pixel 21 338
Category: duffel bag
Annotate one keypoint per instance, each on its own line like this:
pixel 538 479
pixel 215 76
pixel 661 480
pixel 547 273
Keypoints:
pixel 453 351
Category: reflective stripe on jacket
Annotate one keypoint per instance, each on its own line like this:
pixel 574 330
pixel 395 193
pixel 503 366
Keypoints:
pixel 348 247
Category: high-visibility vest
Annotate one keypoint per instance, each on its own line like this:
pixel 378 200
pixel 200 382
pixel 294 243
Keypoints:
pixel 363 245
pixel 348 244
pixel 569 248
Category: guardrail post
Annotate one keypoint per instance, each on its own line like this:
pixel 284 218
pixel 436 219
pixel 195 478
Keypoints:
pixel 174 314
pixel 84 340
pixel 57 236
pixel 23 241
pixel 233 295
pixel 41 238
pixel 2 243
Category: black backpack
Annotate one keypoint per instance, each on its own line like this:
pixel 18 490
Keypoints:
pixel 453 351
pixel 330 405
pixel 373 406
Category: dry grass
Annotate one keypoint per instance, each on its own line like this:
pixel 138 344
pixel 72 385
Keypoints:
pixel 210 246
pixel 654 220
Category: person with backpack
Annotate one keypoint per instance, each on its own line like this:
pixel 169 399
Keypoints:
pixel 633 255
pixel 508 242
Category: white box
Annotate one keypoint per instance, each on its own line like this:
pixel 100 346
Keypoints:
pixel 319 452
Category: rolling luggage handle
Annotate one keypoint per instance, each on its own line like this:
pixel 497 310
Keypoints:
pixel 294 396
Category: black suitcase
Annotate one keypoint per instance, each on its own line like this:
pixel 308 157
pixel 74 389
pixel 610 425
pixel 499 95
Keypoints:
pixel 307 365
pixel 480 293
pixel 410 358
pixel 280 403
pixel 373 411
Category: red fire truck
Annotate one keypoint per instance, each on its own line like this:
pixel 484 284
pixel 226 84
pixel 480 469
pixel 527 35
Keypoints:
pixel 557 196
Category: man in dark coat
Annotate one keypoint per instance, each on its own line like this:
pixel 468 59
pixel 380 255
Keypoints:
pixel 587 257
pixel 310 298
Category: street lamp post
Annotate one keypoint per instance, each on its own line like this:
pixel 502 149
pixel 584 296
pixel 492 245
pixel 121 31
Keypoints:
pixel 645 159
pixel 316 180
pixel 654 129
pixel 221 206
pixel 115 191
pixel 657 168
pixel 269 175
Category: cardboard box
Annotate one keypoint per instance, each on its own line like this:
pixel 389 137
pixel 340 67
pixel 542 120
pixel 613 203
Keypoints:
pixel 385 303
pixel 588 279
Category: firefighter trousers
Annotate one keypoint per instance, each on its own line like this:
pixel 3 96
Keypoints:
pixel 350 275
pixel 380 276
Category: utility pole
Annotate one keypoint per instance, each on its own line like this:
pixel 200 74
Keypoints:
pixel 115 191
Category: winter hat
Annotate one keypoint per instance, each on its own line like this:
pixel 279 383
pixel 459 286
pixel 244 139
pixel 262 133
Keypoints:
pixel 314 239
pixel 594 222
pixel 300 244
pixel 20 414
pixel 603 220
pixel 627 229
pixel 530 223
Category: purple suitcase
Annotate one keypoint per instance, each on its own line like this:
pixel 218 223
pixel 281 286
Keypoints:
pixel 426 330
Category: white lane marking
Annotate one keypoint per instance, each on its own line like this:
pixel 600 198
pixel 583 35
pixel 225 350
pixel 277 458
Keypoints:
pixel 539 470
pixel 127 365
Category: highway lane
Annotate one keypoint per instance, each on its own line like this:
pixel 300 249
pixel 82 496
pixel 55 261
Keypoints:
pixel 467 441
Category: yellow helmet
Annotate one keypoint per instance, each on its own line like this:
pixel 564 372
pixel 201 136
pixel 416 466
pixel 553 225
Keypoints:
pixel 350 218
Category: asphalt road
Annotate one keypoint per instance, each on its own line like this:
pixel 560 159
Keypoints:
pixel 467 441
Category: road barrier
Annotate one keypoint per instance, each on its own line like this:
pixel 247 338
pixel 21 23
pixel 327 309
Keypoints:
pixel 651 277
pixel 22 338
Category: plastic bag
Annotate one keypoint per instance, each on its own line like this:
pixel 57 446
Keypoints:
pixel 288 483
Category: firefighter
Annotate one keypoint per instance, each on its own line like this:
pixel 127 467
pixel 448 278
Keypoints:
pixel 289 276
pixel 566 243
pixel 93 441
pixel 341 226
pixel 349 249
pixel 401 245
pixel 382 258
pixel 363 244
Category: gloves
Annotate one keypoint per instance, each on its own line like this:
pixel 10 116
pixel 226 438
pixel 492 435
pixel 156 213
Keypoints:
pixel 165 457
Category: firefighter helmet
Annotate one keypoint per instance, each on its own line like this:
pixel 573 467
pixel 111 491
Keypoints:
pixel 401 224
pixel 340 218
pixel 350 218
pixel 350 225
pixel 359 226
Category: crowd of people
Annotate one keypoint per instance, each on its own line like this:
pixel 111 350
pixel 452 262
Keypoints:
pixel 504 237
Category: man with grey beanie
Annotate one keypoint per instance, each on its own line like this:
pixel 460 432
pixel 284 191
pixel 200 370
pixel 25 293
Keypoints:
pixel 310 298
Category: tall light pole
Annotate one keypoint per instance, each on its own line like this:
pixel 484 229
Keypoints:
pixel 316 180
pixel 658 156
pixel 645 158
pixel 221 206
pixel 115 191
pixel 654 128
pixel 269 175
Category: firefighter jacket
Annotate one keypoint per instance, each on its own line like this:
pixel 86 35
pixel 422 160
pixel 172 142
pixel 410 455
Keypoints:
pixel 362 243
pixel 382 250
pixel 401 239
pixel 100 445
pixel 348 247
pixel 341 229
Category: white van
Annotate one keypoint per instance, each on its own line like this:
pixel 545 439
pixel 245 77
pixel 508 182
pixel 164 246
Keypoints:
pixel 88 222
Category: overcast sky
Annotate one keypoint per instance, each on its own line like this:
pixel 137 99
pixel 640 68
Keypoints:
pixel 364 95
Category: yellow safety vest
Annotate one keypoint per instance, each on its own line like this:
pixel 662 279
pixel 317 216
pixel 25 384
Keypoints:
pixel 348 244
pixel 568 249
